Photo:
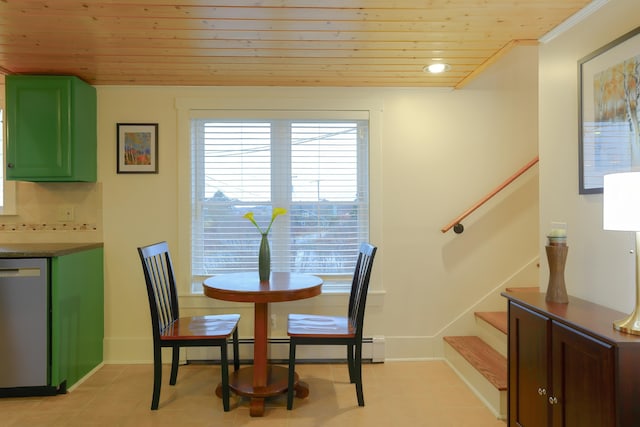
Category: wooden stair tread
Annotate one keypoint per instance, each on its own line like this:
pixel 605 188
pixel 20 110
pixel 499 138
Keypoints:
pixel 491 364
pixel 497 319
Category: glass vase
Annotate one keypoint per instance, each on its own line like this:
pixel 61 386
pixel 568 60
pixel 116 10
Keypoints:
pixel 264 259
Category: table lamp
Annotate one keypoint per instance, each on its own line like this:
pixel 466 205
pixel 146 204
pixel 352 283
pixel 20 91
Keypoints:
pixel 621 211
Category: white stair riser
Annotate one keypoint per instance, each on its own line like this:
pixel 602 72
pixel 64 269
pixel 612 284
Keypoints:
pixel 495 399
pixel 492 336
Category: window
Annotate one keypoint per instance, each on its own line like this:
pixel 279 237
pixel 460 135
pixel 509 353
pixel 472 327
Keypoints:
pixel 315 168
pixel 2 157
pixel 7 189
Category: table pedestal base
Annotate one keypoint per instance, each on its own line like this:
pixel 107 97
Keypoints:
pixel 241 382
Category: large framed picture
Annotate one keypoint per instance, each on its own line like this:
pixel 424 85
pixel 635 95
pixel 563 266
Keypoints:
pixel 608 105
pixel 137 147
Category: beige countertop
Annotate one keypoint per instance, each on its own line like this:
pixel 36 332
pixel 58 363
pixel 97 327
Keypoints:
pixel 43 250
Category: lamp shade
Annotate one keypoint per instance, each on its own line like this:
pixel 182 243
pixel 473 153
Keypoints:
pixel 621 202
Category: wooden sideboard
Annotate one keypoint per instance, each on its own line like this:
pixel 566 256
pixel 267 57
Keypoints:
pixel 568 367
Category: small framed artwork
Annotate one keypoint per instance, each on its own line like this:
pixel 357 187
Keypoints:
pixel 137 147
pixel 609 111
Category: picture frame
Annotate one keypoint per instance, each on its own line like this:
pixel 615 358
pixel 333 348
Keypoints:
pixel 609 111
pixel 137 147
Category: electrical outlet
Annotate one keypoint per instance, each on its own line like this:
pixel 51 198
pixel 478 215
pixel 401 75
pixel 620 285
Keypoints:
pixel 66 213
pixel 274 321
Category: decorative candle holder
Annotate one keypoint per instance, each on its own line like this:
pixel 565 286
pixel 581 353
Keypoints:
pixel 557 250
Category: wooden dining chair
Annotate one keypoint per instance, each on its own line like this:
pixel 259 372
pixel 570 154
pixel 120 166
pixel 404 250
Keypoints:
pixel 308 329
pixel 171 330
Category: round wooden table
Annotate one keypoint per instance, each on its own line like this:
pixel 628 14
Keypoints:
pixel 262 380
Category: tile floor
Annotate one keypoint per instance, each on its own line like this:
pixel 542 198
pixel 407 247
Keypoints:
pixel 397 394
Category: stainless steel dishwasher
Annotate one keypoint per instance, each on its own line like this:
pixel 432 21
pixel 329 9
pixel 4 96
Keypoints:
pixel 24 324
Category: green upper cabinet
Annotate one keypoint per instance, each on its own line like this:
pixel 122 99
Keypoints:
pixel 51 129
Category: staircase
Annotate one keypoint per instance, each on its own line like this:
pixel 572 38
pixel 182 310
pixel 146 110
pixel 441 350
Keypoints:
pixel 481 359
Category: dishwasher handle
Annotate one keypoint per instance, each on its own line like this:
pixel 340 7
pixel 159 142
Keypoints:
pixel 20 272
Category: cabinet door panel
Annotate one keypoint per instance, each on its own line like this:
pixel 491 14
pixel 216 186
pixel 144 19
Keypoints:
pixel 39 120
pixel 77 321
pixel 583 379
pixel 528 367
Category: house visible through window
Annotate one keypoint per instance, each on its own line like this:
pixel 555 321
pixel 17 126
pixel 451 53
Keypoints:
pixel 317 169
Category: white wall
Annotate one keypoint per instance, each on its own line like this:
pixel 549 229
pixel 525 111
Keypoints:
pixel 599 266
pixel 439 152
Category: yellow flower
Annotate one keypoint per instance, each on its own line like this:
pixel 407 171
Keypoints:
pixel 274 214
pixel 249 216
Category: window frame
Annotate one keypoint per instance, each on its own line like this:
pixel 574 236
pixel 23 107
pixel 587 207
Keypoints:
pixel 189 108
pixel 281 168
pixel 8 206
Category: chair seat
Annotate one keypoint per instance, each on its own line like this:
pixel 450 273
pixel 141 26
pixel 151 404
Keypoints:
pixel 307 325
pixel 201 327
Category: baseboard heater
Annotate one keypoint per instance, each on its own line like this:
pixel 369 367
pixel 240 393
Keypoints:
pixel 372 352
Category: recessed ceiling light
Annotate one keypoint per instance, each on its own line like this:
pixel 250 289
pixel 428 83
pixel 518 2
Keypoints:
pixel 438 67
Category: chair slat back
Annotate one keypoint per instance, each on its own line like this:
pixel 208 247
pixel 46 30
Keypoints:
pixel 360 286
pixel 161 285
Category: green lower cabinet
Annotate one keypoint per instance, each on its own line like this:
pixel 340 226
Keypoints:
pixel 77 315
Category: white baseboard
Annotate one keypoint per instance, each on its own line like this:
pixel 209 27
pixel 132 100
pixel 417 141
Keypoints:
pixel 278 350
pixel 83 379
pixel 140 350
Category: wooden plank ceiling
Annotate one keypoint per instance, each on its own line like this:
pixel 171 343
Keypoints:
pixel 269 42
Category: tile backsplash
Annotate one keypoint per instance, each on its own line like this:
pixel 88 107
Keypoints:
pixel 48 227
pixel 39 207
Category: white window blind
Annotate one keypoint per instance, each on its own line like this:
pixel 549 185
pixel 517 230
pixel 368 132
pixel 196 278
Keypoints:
pixel 316 169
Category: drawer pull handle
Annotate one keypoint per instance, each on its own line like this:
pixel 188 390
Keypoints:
pixel 542 391
pixel 553 400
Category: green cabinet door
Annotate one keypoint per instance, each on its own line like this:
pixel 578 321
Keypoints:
pixel 77 315
pixel 51 129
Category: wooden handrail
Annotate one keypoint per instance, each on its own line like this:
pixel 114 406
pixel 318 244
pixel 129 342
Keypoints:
pixel 456 222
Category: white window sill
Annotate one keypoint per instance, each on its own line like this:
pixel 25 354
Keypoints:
pixel 327 298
